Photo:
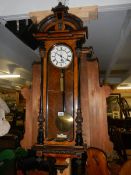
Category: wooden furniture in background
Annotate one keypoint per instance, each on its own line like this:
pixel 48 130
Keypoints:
pixel 97 162
pixel 10 96
pixel 125 108
pixel 113 107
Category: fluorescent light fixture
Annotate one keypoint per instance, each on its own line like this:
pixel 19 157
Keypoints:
pixel 9 76
pixel 124 87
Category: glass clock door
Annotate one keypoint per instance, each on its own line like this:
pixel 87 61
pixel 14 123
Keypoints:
pixel 59 118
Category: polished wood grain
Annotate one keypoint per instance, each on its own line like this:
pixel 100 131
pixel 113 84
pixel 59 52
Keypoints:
pixel 93 105
pixel 126 168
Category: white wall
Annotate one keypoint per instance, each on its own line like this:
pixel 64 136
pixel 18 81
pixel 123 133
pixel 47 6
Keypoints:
pixel 17 7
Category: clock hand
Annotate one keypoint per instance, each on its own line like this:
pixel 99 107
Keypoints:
pixel 65 58
pixel 61 57
pixel 58 54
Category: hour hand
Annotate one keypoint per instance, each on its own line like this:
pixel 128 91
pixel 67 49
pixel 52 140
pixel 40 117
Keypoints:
pixel 58 54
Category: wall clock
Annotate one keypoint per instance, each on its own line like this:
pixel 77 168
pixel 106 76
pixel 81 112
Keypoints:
pixel 61 55
pixel 61 92
pixel 62 35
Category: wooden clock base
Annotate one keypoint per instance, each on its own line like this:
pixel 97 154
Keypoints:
pixel 62 154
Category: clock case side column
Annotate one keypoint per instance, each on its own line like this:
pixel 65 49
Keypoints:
pixel 41 117
pixel 78 119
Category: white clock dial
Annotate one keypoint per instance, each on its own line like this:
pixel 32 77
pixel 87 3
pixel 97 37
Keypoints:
pixel 61 55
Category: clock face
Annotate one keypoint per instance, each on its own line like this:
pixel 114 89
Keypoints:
pixel 61 55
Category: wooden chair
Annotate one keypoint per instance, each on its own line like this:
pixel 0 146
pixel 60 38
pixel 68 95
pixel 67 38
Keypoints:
pixel 126 168
pixel 125 107
pixel 96 162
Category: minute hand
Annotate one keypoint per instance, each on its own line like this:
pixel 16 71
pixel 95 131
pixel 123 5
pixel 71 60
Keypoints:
pixel 58 54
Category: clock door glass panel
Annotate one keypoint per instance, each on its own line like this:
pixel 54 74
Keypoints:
pixel 59 119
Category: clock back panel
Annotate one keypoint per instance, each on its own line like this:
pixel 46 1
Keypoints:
pixel 59 99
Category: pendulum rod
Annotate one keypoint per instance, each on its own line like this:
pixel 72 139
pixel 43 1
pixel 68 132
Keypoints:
pixel 62 89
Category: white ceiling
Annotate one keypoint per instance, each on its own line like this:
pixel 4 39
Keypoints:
pixel 109 35
pixel 15 7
